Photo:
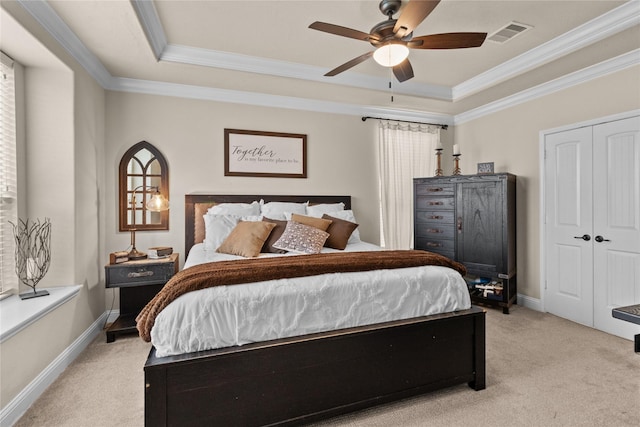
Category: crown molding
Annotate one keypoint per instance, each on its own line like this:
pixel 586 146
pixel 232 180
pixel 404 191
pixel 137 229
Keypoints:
pixel 606 25
pixel 59 30
pixel 618 19
pixel 150 22
pixel 601 69
pixel 252 64
pixel 267 100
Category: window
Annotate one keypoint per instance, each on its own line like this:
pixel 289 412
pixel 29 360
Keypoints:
pixel 143 171
pixel 8 175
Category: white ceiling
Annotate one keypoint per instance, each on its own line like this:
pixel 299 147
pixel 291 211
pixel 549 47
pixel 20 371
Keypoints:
pixel 252 50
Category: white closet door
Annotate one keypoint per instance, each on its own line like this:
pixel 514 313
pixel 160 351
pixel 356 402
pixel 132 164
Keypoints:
pixel 616 211
pixel 568 206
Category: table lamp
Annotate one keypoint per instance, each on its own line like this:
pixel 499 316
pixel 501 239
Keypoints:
pixel 157 203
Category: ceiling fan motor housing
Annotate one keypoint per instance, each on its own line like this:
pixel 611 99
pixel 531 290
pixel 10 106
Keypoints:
pixel 384 31
pixel 389 7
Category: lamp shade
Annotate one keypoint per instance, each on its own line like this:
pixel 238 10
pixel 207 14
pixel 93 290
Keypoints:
pixel 158 203
pixel 391 54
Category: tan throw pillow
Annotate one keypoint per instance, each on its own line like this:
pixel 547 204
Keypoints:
pixel 319 223
pixel 301 238
pixel 247 238
pixel 274 236
pixel 339 232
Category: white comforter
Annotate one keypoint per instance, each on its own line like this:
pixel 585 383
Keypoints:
pixel 225 316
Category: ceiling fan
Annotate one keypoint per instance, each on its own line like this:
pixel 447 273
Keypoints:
pixel 394 37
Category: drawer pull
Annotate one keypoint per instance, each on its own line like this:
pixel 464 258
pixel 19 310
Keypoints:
pixel 435 189
pixel 436 217
pixel 140 274
pixel 434 245
pixel 436 203
pixel 434 230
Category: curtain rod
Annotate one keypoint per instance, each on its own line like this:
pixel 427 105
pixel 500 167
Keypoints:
pixel 445 127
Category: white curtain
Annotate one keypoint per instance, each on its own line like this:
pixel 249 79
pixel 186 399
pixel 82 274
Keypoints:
pixel 406 151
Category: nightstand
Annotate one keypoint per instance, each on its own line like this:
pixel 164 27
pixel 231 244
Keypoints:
pixel 138 282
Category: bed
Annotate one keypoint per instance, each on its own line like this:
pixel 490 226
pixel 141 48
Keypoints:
pixel 299 379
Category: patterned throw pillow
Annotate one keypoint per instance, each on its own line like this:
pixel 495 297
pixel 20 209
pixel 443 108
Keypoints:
pixel 301 238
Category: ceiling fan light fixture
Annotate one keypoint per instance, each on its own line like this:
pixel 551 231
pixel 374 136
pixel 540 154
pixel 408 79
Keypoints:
pixel 391 54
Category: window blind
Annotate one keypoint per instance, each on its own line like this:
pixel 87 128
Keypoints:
pixel 8 175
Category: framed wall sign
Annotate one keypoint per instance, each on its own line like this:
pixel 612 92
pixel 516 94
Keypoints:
pixel 485 168
pixel 265 154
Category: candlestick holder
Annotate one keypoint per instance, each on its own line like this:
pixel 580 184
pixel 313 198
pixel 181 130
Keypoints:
pixel 439 162
pixel 456 164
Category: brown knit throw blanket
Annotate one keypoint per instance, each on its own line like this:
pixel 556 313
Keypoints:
pixel 261 269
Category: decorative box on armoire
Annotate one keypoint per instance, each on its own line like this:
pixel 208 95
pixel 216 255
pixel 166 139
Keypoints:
pixel 472 219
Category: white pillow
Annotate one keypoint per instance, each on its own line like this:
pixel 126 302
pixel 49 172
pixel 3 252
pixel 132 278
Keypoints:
pixel 347 215
pixel 239 209
pixel 276 210
pixel 324 208
pixel 218 227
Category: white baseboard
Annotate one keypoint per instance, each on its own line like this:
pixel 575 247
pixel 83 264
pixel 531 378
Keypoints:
pixel 530 302
pixel 113 315
pixel 11 413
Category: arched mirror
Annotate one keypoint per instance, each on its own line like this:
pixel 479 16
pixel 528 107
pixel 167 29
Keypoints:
pixel 143 173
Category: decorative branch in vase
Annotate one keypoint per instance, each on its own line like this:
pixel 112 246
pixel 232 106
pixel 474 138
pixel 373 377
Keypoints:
pixel 33 253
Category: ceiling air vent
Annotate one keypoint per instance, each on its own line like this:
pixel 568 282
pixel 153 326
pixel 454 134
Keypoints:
pixel 508 32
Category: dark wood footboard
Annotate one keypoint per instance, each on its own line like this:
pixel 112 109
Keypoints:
pixel 295 380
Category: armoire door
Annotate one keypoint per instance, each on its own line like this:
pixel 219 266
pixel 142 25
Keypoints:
pixel 592 223
pixel 479 218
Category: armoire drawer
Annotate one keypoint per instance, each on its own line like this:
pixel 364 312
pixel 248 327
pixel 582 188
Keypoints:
pixel 435 231
pixel 434 189
pixel 430 244
pixel 434 217
pixel 433 203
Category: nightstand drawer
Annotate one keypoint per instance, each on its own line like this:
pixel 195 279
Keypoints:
pixel 140 273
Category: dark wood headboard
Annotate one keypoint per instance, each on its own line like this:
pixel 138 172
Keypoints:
pixel 196 205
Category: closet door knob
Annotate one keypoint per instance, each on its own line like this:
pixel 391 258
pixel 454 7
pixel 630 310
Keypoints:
pixel 584 237
pixel 600 239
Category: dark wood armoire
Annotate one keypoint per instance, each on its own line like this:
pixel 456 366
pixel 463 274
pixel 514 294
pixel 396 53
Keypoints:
pixel 472 219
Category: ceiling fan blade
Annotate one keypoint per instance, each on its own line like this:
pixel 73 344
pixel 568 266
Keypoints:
pixel 403 71
pixel 342 31
pixel 448 41
pixel 413 14
pixel 349 64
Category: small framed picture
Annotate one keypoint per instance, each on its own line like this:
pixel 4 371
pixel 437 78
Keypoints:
pixel 485 167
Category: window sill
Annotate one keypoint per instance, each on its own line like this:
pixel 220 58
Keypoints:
pixel 17 314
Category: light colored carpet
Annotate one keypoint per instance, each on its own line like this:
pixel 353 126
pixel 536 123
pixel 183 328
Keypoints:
pixel 541 371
